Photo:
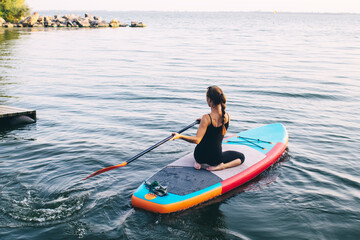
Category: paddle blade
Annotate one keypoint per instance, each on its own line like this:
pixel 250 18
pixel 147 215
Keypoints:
pixel 106 169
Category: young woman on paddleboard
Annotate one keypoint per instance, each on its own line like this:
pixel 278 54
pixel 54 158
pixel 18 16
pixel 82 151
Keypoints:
pixel 210 134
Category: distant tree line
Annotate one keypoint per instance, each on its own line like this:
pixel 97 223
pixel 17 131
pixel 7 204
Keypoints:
pixel 13 10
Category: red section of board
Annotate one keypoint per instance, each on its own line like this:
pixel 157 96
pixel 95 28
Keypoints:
pixel 254 170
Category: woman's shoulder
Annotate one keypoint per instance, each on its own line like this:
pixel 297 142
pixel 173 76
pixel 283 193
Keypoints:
pixel 206 117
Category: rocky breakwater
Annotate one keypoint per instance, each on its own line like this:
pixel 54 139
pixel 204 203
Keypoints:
pixel 88 21
pixel 3 23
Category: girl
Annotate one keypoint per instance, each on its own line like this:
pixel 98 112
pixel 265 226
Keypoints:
pixel 210 135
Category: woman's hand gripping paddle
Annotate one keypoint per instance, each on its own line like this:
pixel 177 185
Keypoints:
pixel 142 153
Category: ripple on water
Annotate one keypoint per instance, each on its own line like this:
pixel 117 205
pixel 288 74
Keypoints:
pixel 29 206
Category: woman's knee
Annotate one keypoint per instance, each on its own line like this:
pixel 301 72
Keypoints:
pixel 229 156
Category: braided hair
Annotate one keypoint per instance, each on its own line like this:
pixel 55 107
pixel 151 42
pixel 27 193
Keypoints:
pixel 216 96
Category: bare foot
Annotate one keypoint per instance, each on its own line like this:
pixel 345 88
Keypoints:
pixel 197 165
pixel 216 168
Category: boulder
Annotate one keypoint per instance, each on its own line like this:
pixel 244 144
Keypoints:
pixel 2 21
pixel 103 24
pixel 8 25
pixel 98 18
pixel 83 22
pixel 137 24
pixel 61 20
pixel 38 25
pixel 98 23
pixel 115 23
pixel 25 21
pixel 91 17
pixel 41 19
pixel 31 20
pixel 47 21
pixel 48 18
pixel 69 24
pixel 52 25
pixel 94 23
pixel 71 17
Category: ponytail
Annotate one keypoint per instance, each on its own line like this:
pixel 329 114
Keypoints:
pixel 217 96
pixel 223 106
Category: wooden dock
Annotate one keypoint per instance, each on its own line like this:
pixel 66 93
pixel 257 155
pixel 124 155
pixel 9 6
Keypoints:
pixel 9 114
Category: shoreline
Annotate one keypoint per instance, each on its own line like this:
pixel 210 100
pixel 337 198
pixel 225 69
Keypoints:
pixel 69 21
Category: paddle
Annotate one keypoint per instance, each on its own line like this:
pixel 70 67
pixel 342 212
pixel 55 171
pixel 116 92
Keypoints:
pixel 142 153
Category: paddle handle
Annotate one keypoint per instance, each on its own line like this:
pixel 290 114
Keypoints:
pixel 161 142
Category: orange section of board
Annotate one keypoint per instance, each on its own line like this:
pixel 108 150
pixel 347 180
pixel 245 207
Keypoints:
pixel 173 207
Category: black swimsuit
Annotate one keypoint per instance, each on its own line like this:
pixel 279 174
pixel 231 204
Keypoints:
pixel 209 149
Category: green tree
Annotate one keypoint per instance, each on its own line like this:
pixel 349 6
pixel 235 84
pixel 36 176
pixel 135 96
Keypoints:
pixel 13 10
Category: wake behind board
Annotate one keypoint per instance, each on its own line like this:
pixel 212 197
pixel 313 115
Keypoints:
pixel 188 187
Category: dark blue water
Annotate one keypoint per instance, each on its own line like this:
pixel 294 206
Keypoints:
pixel 104 95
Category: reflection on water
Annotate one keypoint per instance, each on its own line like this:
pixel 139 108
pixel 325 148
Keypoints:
pixel 7 34
pixel 6 45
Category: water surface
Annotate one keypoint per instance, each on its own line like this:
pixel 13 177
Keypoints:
pixel 104 95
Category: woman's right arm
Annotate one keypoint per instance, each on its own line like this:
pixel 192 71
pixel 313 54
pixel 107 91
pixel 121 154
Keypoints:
pixel 205 121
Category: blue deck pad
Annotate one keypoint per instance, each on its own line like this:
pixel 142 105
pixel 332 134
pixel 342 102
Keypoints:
pixel 182 180
pixel 270 133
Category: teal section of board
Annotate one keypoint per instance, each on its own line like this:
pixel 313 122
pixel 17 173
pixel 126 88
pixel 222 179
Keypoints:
pixel 262 138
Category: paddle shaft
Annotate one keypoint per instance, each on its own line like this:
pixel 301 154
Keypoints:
pixel 142 153
pixel 161 142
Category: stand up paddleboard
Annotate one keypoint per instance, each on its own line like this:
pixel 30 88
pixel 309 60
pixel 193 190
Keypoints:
pixel 187 187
